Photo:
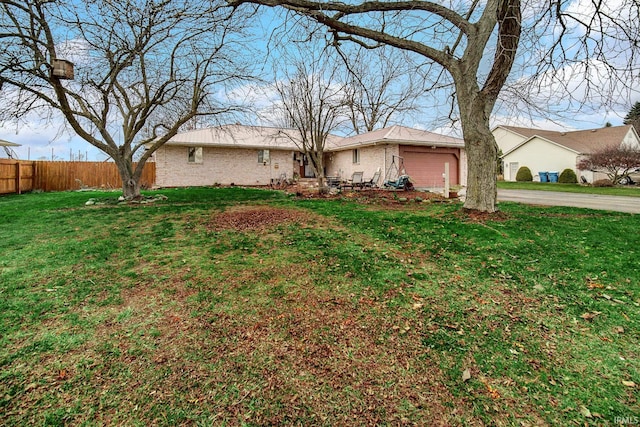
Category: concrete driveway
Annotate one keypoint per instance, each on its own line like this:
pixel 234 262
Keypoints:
pixel 589 201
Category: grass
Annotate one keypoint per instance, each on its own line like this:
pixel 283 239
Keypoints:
pixel 626 190
pixel 250 307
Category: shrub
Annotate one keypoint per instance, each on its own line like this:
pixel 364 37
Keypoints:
pixel 568 176
pixel 524 174
pixel 603 183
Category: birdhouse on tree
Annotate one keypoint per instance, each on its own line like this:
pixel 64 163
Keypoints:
pixel 62 69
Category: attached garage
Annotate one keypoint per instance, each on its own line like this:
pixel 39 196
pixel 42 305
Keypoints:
pixel 424 155
pixel 425 165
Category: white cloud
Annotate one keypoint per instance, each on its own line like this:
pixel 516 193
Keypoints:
pixel 580 95
pixel 76 51
pixel 47 140
pixel 600 17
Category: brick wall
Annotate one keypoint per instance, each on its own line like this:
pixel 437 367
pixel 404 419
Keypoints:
pixel 220 166
pixel 340 163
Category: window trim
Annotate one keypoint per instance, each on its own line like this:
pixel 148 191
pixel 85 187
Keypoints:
pixel 355 156
pixel 264 157
pixel 195 155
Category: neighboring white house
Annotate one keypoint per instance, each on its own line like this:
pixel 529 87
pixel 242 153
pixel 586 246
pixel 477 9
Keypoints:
pixel 553 151
pixel 256 155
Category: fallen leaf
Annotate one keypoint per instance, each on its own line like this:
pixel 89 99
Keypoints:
pixel 586 412
pixel 629 383
pixel 493 392
pixel 590 316
pixel 466 375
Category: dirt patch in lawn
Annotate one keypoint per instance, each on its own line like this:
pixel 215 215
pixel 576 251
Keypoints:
pixel 345 361
pixel 257 218
pixel 471 215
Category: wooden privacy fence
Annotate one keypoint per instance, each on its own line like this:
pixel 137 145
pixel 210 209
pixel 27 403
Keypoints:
pixel 16 176
pixel 62 176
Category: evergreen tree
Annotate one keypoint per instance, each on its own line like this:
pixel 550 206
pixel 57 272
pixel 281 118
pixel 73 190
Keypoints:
pixel 633 118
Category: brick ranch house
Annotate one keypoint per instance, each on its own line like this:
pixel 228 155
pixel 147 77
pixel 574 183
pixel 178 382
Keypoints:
pixel 256 155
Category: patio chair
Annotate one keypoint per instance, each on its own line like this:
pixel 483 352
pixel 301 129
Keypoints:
pixel 355 181
pixel 333 181
pixel 373 182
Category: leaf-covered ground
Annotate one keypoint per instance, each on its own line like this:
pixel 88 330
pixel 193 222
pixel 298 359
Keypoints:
pixel 250 307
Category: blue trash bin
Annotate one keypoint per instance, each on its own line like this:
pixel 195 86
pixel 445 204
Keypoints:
pixel 544 177
pixel 553 176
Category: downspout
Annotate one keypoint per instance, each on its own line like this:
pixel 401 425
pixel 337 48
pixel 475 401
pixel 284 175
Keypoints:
pixel 384 163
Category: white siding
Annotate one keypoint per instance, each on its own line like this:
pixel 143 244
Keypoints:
pixel 540 155
pixel 630 140
pixel 506 139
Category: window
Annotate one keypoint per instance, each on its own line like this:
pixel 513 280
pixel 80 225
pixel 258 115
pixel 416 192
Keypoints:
pixel 263 156
pixel 194 155
pixel 356 156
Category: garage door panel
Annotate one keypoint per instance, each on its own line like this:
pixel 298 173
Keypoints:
pixel 426 169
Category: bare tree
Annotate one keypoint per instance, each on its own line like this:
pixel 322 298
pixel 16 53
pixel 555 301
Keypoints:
pixel 312 104
pixel 381 85
pixel 616 161
pixel 143 68
pixel 474 44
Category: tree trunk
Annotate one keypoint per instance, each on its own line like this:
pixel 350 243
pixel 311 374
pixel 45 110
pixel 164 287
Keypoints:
pixel 317 163
pixel 130 179
pixel 481 146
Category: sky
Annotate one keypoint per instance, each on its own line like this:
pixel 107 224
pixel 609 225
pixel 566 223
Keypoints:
pixel 51 140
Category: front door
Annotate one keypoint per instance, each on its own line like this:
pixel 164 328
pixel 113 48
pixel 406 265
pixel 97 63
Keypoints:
pixel 513 170
pixel 306 171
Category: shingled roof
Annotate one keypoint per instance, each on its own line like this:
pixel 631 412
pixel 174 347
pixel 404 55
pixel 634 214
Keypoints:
pixel 400 135
pixel 242 136
pixel 580 141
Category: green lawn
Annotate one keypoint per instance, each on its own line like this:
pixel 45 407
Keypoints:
pixel 622 190
pixel 251 307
